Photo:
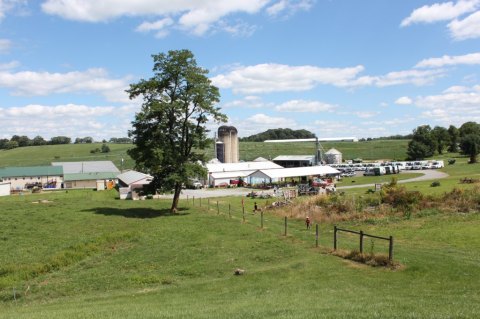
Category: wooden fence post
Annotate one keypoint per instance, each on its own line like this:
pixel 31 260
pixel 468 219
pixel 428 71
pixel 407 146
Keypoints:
pixel 316 235
pixel 229 210
pixel 285 226
pixel 261 218
pixel 390 249
pixel 361 242
pixel 243 212
pixel 334 237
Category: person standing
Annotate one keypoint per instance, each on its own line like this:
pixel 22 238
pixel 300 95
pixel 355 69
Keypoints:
pixel 307 222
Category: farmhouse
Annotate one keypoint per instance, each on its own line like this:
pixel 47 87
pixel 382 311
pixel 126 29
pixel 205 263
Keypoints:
pixel 98 175
pixel 20 178
pixel 131 182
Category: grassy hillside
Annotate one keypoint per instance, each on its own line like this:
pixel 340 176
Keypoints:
pixel 44 155
pixel 85 254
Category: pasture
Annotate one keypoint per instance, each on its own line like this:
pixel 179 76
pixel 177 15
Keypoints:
pixel 86 254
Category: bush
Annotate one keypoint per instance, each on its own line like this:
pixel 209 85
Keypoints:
pixel 435 184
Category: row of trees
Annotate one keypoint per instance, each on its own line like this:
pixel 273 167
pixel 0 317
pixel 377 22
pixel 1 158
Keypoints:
pixel 427 141
pixel 23 141
pixel 278 134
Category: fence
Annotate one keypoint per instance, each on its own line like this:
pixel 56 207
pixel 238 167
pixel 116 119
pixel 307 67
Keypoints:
pixel 361 236
pixel 285 227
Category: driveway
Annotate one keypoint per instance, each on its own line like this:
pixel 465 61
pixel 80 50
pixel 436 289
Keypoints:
pixel 429 174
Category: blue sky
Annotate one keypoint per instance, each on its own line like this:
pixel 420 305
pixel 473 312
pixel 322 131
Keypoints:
pixel 334 67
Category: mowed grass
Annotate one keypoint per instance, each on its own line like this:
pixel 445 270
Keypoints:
pixel 85 254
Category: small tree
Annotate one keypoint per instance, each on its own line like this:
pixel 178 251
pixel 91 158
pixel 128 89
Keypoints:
pixel 105 148
pixel 442 138
pixel 470 145
pixel 454 136
pixel 177 103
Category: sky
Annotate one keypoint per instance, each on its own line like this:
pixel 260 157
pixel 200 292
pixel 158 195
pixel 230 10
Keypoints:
pixel 334 67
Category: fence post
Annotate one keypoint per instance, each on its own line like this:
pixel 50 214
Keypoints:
pixel 285 226
pixel 200 202
pixel 208 203
pixel 334 237
pixel 390 249
pixel 229 210
pixel 218 209
pixel 243 212
pixel 361 242
pixel 193 201
pixel 316 235
pixel 261 218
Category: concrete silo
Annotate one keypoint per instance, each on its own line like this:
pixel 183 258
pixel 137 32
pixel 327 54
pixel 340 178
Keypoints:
pixel 227 144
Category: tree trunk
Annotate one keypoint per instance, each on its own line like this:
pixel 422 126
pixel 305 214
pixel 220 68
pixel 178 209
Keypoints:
pixel 473 158
pixel 176 197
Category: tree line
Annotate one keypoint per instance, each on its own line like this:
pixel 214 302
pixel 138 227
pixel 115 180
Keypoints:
pixel 23 141
pixel 278 134
pixel 426 141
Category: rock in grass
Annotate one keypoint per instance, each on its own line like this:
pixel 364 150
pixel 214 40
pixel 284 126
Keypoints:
pixel 239 272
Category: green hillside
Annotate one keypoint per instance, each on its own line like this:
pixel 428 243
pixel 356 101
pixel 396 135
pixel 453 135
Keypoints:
pixel 85 254
pixel 44 155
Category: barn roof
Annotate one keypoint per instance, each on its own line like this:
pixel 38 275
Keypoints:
pixel 296 172
pixel 30 171
pixel 87 167
pixel 134 177
pixel 242 166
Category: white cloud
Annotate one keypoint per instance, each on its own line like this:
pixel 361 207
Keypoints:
pixel 447 60
pixel 304 106
pixel 440 12
pixel 44 83
pixel 81 120
pixel 249 101
pixel 270 77
pixel 456 89
pixel 415 77
pixel 9 66
pixel 452 107
pixel 196 16
pixel 160 26
pixel 365 114
pixel 468 28
pixel 8 5
pixel 266 120
pixel 289 7
pixel 404 100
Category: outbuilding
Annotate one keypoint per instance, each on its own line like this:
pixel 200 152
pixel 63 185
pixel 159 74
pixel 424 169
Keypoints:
pixel 98 175
pixel 5 189
pixel 131 183
pixel 20 178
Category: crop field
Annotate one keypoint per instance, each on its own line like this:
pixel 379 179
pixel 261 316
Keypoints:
pixel 85 254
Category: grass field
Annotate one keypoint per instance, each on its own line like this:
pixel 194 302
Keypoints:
pixel 85 254
pixel 44 155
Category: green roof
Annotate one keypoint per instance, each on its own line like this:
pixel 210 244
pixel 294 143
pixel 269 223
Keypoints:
pixel 31 171
pixel 89 176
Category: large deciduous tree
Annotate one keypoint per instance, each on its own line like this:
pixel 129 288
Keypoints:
pixel 171 127
pixel 423 143
pixel 442 138
pixel 454 138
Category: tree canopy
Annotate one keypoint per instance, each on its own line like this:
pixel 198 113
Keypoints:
pixel 178 101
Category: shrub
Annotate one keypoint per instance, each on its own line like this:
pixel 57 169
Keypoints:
pixel 435 184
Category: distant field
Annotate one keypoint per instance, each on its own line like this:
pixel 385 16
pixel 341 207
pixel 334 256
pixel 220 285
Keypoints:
pixel 44 155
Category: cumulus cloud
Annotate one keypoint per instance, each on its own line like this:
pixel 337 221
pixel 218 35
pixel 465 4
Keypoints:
pixel 468 28
pixel 249 101
pixel 9 66
pixel 44 83
pixel 97 121
pixel 159 26
pixel 270 77
pixel 452 106
pixel 440 12
pixel 447 60
pixel 404 100
pixel 304 106
pixel 289 7
pixel 195 16
pixel 7 6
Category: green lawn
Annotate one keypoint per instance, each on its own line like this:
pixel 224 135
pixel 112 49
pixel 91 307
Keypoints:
pixel 85 254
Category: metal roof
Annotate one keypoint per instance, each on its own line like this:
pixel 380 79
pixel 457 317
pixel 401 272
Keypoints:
pixel 296 171
pixel 30 171
pixel 89 176
pixel 87 167
pixel 231 175
pixel 134 177
pixel 242 166
pixel 295 158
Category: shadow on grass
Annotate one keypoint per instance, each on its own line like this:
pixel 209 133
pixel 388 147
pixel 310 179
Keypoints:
pixel 136 212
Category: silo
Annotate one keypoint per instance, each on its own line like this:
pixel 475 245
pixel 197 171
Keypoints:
pixel 228 135
pixel 220 151
pixel 333 156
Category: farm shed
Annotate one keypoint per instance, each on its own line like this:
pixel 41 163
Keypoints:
pixel 99 175
pixel 131 182
pixel 294 160
pixel 274 175
pixel 20 178
pixel 222 173
pixel 5 189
